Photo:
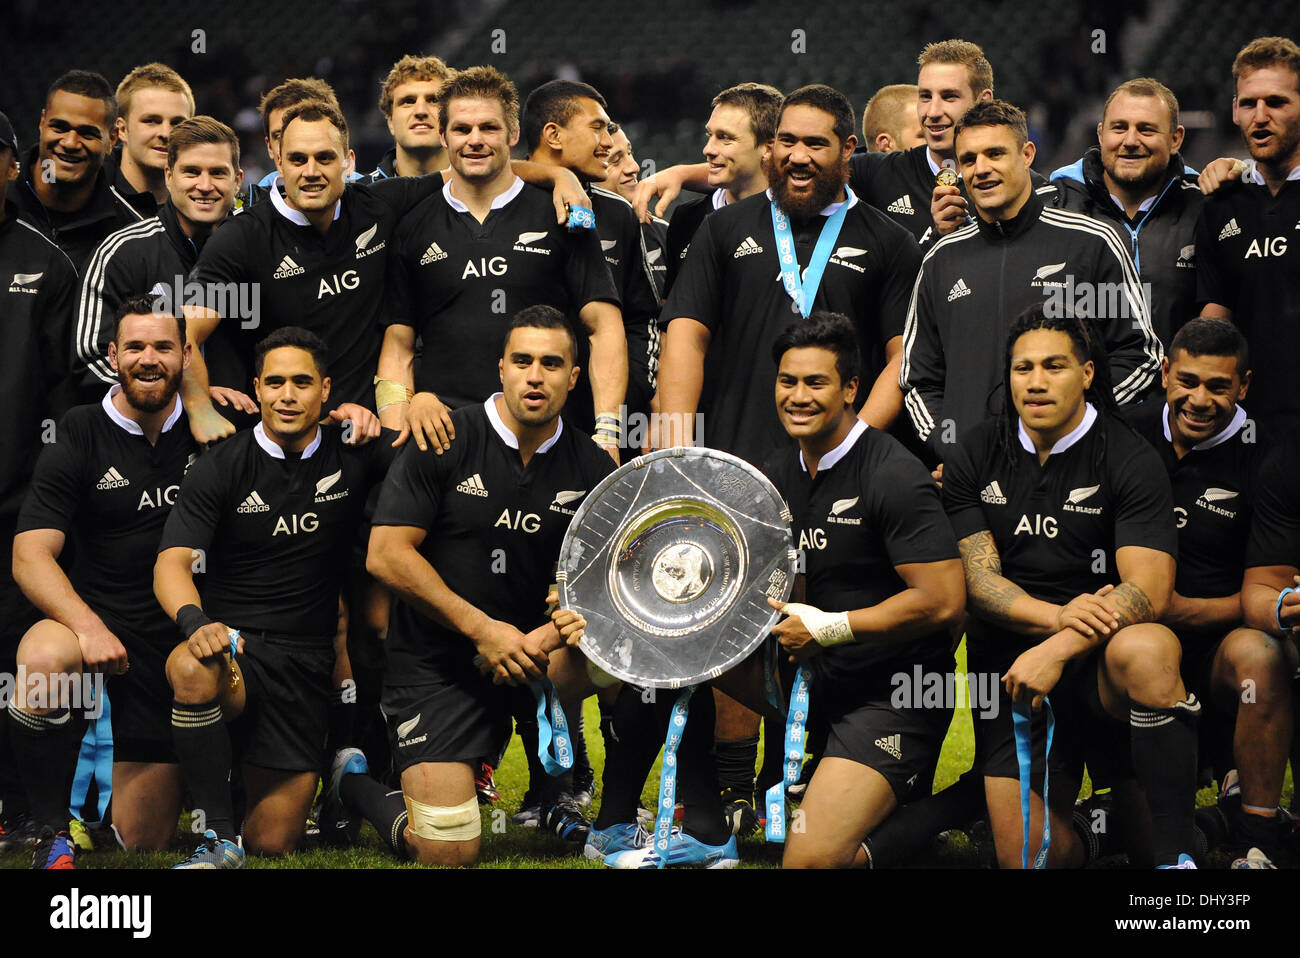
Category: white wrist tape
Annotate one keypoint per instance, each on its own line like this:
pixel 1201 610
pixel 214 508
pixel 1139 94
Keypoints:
pixel 828 628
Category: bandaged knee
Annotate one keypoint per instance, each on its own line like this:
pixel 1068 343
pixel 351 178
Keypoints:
pixel 444 823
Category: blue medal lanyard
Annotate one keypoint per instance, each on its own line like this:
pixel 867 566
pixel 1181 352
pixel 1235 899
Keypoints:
pixel 551 727
pixel 804 292
pixel 795 721
pixel 1022 723
pixel 668 775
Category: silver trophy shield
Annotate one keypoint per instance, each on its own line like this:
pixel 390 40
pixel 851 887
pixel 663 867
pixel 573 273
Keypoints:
pixel 671 560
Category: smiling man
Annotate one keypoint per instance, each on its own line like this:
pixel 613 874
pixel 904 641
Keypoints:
pixel 621 178
pixel 973 283
pixel 64 191
pixel 202 178
pixel 151 100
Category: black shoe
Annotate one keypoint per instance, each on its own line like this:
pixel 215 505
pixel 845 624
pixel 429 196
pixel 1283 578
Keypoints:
pixel 738 812
pixel 530 810
pixel 565 819
pixel 1274 835
pixel 18 833
pixel 584 786
pixel 1094 823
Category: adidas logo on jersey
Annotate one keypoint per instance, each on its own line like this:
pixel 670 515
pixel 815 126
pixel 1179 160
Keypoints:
pixel 112 480
pixel 1079 495
pixel 892 744
pixel 901 205
pixel 564 497
pixel 364 248
pixel 748 245
pixel 324 486
pixel 844 505
pixel 287 268
pixel 992 494
pixel 473 486
pixel 959 289
pixel 1187 257
pixel 23 282
pixel 253 503
pixel 1230 229
pixel 432 254
pixel 1213 495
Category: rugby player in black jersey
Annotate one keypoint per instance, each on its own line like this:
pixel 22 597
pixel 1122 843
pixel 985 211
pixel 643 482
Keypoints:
pixel 408 100
pixel 1212 453
pixel 286 496
pixel 484 245
pixel 151 99
pixel 106 484
pixel 1247 247
pixel 621 178
pixel 468 539
pixel 1066 529
pixel 875 541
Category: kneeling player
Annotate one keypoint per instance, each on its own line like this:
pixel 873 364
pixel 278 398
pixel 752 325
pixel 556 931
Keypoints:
pixel 876 542
pixel 1209 450
pixel 468 540
pixel 1066 530
pixel 266 516
pixel 108 483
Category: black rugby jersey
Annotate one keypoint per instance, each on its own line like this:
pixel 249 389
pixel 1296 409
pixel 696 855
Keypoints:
pixel 1248 259
pixel 686 220
pixel 457 282
pixel 331 284
pixel 1275 527
pixel 276 532
pixel 104 486
pixel 1214 492
pixel 654 235
pixel 494 527
pixel 871 507
pixel 1057 526
pixel 731 283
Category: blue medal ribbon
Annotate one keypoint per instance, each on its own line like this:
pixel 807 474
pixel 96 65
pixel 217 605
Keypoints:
pixel 1022 723
pixel 668 775
pixel 552 727
pixel 95 761
pixel 804 291
pixel 795 721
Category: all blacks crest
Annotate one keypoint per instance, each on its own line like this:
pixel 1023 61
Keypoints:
pixel 671 560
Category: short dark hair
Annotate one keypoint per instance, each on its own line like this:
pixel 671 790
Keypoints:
pixel 828 99
pixel 555 102
pixel 995 113
pixel 1208 336
pixel 484 83
pixel 823 329
pixel 541 317
pixel 145 304
pixel 297 337
pixel 90 84
pixel 312 110
pixel 761 103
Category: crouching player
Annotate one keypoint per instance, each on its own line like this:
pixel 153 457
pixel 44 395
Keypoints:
pixel 468 539
pixel 1066 529
pixel 265 517
pixel 876 542
pixel 1209 449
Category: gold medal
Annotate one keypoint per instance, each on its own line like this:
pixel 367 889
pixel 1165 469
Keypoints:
pixel 946 177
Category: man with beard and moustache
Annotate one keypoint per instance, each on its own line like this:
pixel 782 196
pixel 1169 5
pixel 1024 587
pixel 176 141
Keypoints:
pixel 1019 252
pixel 37 304
pixel 409 102
pixel 1137 180
pixel 736 292
pixel 890 121
pixel 106 486
pixel 65 192
pixel 151 100
pixel 202 178
pixel 622 179
pixel 1247 240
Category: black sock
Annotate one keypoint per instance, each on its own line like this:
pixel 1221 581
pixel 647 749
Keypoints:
pixel 376 804
pixel 342 718
pixel 773 768
pixel 578 727
pixel 203 748
pixel 46 747
pixel 1163 743
pixel 13 798
pixel 631 743
pixel 910 828
pixel 697 779
pixel 735 763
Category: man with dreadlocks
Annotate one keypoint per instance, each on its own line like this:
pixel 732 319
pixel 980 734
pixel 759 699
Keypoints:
pixel 1065 523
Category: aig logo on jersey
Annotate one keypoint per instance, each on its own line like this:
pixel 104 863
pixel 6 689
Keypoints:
pixel 364 248
pixel 564 497
pixel 1210 496
pixel 333 285
pixel 1039 525
pixel 525 245
pixel 1268 246
pixel 840 506
pixel 1077 496
pixel 157 497
pixel 292 525
pixel 485 266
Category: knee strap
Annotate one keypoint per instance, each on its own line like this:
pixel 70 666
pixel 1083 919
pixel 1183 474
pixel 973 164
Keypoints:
pixel 444 823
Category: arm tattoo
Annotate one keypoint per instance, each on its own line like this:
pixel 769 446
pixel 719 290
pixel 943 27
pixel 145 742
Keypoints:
pixel 991 594
pixel 1132 604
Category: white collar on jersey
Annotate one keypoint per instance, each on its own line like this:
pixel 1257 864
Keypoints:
pixel 1145 205
pixel 834 207
pixel 840 451
pixel 1228 431
pixel 296 217
pixel 508 437
pixel 934 167
pixel 275 452
pixel 1066 441
pixel 1252 174
pixel 501 200
pixel 130 425
pixel 719 198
